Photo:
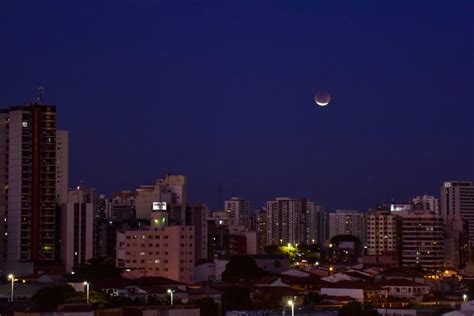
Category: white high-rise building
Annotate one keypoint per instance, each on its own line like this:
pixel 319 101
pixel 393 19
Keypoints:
pixel 77 228
pixel 239 213
pixel 346 222
pixel 282 221
pixel 31 186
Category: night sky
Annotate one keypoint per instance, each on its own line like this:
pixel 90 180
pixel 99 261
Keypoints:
pixel 222 91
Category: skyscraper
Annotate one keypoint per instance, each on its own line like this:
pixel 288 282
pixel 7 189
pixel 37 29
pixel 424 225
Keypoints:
pixel 382 228
pixel 312 223
pixel 77 224
pixel 422 237
pixel 239 213
pixel 30 156
pixel 457 210
pixel 282 221
pixel 347 222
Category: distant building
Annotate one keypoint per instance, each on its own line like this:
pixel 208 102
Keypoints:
pixel 123 206
pixel 347 222
pixel 159 250
pixel 457 211
pixel 62 166
pixel 316 223
pixel 422 239
pixel 103 209
pixel 196 215
pixel 282 221
pixel 167 194
pixel 426 202
pixel 382 243
pixel 296 221
pixel 239 213
pixel 33 178
pixel 261 228
pixel 77 224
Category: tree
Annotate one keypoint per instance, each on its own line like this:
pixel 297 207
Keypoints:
pixel 207 306
pixel 241 269
pixel 236 297
pixel 356 309
pixel 49 298
pixel 98 268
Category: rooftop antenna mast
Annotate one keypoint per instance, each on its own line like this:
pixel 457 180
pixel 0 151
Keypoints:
pixel 39 95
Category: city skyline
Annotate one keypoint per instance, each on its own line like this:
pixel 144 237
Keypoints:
pixel 150 87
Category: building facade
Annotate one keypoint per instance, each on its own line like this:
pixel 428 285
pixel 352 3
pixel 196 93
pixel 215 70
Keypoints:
pixel 347 222
pixel 239 213
pixel 77 225
pixel 382 228
pixel 282 221
pixel 159 250
pixel 422 239
pixel 457 211
pixel 30 159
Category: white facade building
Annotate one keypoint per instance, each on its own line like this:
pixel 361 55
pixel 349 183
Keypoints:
pixel 77 228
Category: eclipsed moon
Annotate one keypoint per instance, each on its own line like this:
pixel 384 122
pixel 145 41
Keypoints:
pixel 322 98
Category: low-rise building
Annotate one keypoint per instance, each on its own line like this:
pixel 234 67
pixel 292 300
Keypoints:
pixel 404 288
pixel 158 250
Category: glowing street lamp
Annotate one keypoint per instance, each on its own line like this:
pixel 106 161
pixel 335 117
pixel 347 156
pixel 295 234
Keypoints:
pixel 291 303
pixel 12 278
pixel 170 292
pixel 86 284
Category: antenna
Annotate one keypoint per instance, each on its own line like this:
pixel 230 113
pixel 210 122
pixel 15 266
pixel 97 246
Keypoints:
pixel 39 95
pixel 219 192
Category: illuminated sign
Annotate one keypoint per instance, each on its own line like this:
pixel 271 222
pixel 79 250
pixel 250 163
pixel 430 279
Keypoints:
pixel 159 206
pixel 399 207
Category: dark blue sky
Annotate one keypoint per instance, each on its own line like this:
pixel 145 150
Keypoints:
pixel 222 91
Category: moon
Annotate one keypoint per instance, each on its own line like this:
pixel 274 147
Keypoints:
pixel 322 98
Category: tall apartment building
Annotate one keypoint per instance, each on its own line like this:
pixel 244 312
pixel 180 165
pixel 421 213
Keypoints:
pixel 77 225
pixel 422 238
pixel 282 221
pixel 123 206
pixel 62 166
pixel 239 213
pixel 261 227
pixel 103 211
pixel 31 155
pixel 457 211
pixel 382 228
pixel 196 216
pixel 314 223
pixel 347 222
pixel 159 250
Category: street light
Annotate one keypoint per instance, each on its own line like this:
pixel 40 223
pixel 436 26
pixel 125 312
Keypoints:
pixel 170 291
pixel 12 278
pixel 86 284
pixel 464 297
pixel 292 304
